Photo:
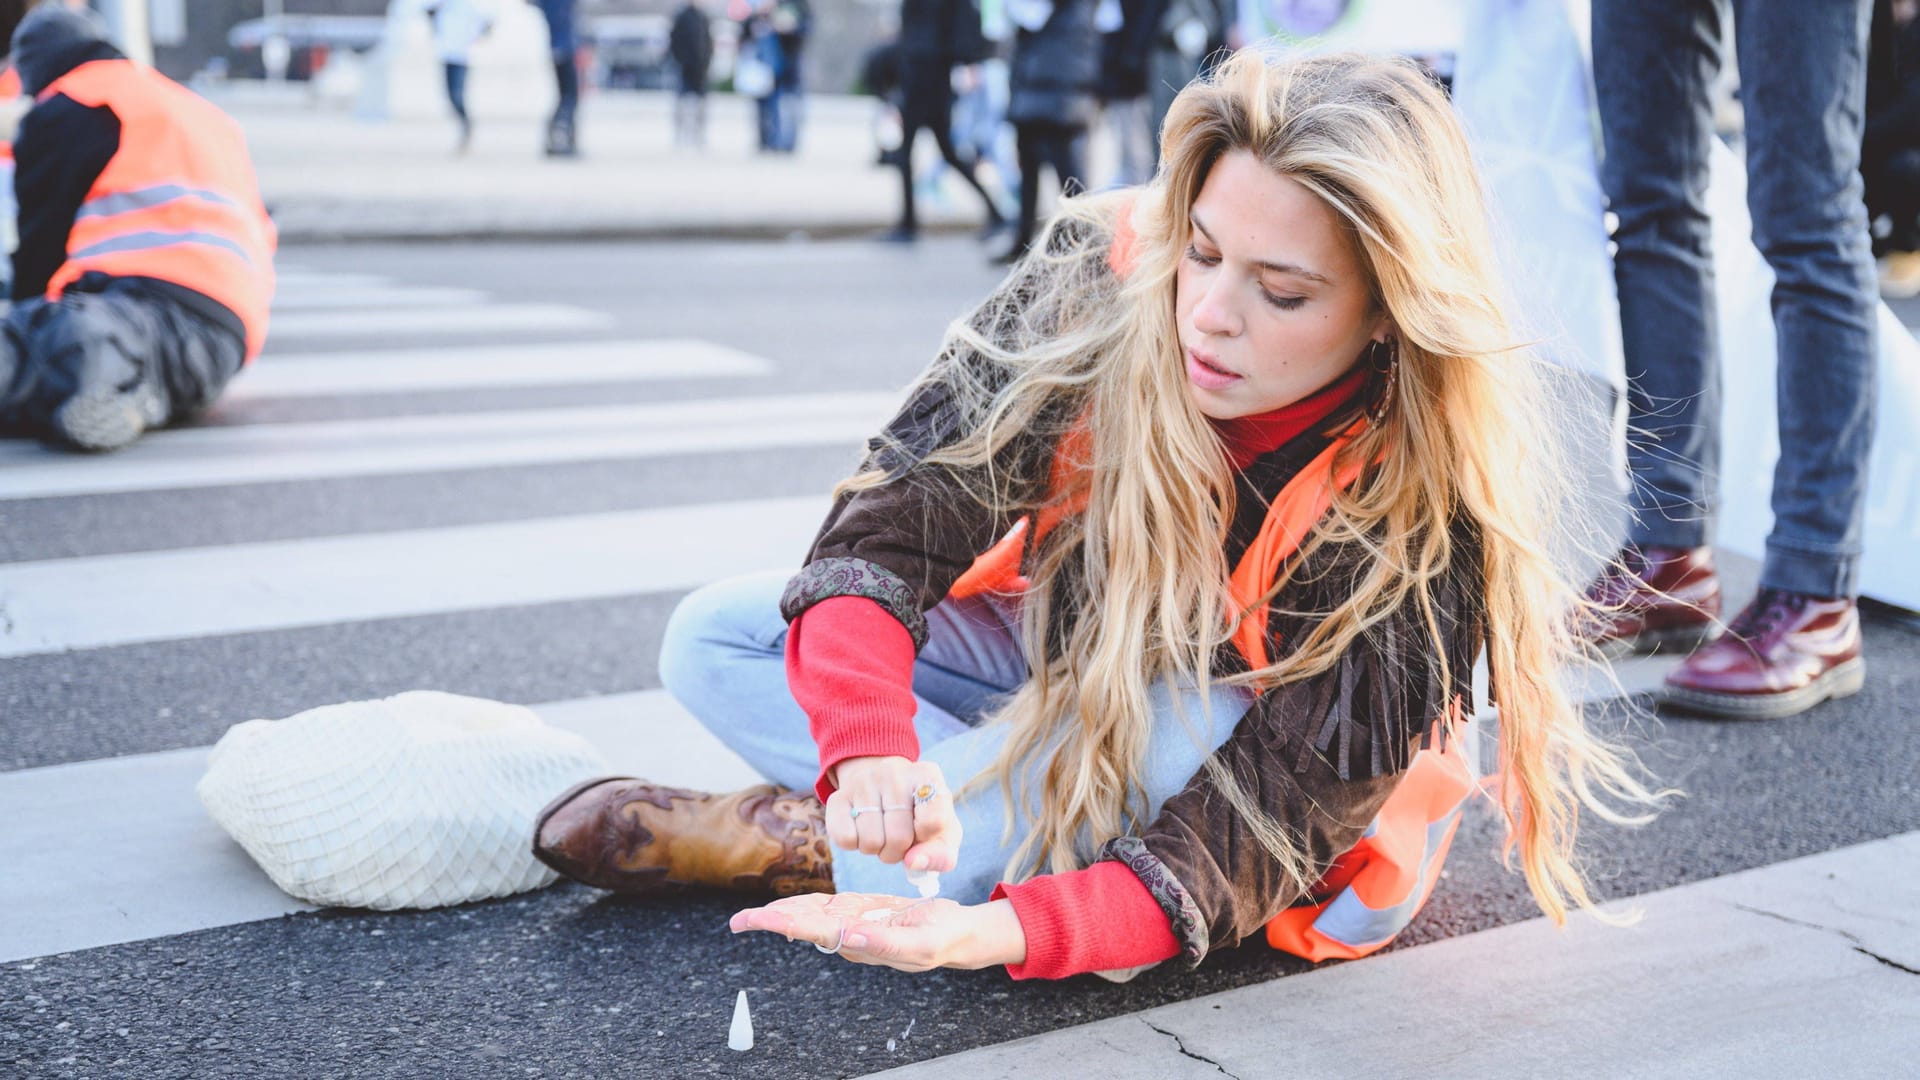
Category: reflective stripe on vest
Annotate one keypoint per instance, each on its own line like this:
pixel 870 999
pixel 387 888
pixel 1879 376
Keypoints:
pixel 1382 882
pixel 144 241
pixel 1347 918
pixel 121 202
pixel 177 202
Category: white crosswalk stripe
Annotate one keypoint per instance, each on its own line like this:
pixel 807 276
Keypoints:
pixel 89 603
pixel 303 326
pixel 375 296
pixel 393 371
pixel 259 453
pixel 170 870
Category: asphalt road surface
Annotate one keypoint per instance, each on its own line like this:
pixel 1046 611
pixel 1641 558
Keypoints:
pixel 529 395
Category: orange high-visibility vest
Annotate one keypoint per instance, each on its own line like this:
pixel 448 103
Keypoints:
pixel 1373 890
pixel 177 202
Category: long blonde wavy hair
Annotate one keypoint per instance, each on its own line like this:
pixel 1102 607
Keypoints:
pixel 1133 590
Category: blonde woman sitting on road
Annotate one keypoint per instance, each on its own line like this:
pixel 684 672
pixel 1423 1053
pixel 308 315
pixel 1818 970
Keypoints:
pixel 1165 585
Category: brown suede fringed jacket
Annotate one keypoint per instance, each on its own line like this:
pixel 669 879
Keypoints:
pixel 1321 755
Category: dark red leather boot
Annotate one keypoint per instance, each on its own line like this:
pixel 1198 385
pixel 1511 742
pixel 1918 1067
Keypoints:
pixel 1785 653
pixel 1655 599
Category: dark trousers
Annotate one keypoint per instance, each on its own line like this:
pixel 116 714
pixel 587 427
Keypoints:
pixel 457 90
pixel 111 336
pixel 566 74
pixel 1803 83
pixel 690 112
pixel 928 105
pixel 1893 190
pixel 1061 147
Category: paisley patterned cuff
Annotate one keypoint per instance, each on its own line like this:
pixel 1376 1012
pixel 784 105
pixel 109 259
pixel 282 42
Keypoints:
pixel 1183 915
pixel 829 578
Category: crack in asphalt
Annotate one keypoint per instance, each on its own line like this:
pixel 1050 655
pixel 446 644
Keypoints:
pixel 1851 939
pixel 1894 964
pixel 1180 1045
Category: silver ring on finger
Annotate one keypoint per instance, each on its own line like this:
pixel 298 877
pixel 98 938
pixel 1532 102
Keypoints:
pixel 891 809
pixel 853 814
pixel 838 945
pixel 925 794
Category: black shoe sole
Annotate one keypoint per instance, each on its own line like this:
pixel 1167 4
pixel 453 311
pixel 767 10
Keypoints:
pixel 1844 680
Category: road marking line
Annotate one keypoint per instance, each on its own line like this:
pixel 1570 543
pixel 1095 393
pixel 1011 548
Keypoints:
pixel 264 453
pixel 57 605
pixel 393 371
pixel 374 296
pixel 300 279
pixel 315 325
pixel 168 869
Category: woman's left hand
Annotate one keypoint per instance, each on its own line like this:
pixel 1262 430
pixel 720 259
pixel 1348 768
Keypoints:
pixel 894 931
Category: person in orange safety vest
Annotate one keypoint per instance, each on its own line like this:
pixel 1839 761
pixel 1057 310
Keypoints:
pixel 144 270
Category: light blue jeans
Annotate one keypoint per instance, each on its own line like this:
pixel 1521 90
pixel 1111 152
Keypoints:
pixel 724 659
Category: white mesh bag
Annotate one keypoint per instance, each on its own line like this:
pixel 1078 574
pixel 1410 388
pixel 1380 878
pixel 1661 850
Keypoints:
pixel 415 801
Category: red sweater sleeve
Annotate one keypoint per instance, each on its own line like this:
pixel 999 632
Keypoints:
pixel 1098 919
pixel 850 666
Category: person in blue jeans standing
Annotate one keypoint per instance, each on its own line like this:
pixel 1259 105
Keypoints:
pixel 1803 85
pixel 562 139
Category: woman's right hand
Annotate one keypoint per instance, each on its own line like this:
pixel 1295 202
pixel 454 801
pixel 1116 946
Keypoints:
pixel 890 824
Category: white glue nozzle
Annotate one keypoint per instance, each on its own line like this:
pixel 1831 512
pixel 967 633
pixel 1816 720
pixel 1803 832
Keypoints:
pixel 927 881
pixel 740 1036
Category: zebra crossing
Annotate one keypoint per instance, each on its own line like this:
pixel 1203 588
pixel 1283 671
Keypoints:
pixel 171 871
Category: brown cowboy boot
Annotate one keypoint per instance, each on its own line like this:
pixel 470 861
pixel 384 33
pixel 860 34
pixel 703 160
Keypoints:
pixel 1655 599
pixel 634 837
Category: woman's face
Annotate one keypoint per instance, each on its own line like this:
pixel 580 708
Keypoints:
pixel 1271 298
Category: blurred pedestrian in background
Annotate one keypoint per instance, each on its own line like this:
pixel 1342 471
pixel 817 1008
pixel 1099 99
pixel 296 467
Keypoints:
pixel 980 130
pixel 1056 68
pixel 690 42
pixel 1185 33
pixel 1802 82
pixel 936 36
pixel 562 130
pixel 144 271
pixel 792 21
pixel 880 76
pixel 773 36
pixel 1890 152
pixel 457 26
pixel 1127 29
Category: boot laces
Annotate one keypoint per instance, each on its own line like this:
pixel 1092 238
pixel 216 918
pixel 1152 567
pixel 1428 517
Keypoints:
pixel 1767 611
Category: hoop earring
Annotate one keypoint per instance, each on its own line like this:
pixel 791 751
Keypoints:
pixel 1390 376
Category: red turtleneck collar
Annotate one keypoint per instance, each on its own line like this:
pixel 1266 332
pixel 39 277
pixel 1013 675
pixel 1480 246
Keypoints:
pixel 1248 437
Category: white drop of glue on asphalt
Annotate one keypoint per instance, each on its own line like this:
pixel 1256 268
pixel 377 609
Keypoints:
pixel 740 1036
pixel 927 881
